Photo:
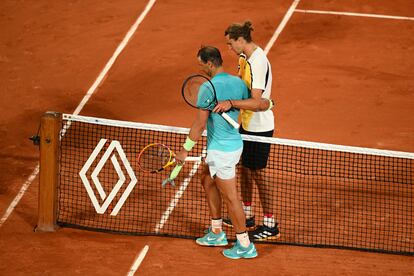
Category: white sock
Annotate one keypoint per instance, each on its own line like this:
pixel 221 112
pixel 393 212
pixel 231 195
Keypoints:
pixel 217 225
pixel 269 221
pixel 248 211
pixel 243 239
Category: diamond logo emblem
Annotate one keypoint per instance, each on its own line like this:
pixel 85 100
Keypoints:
pixel 107 199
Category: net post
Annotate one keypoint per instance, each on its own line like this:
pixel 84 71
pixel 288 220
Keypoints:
pixel 50 126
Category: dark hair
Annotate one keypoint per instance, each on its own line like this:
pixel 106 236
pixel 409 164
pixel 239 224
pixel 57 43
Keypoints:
pixel 236 30
pixel 210 53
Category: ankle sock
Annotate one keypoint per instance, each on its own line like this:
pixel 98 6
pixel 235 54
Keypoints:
pixel 269 220
pixel 217 225
pixel 243 239
pixel 247 208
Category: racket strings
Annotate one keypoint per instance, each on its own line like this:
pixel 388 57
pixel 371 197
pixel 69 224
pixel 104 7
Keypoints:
pixel 199 92
pixel 154 157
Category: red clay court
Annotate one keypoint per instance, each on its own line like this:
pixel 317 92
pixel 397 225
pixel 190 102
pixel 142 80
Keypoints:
pixel 342 74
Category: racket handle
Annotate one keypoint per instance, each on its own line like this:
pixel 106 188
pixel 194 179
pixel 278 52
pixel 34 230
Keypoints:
pixel 193 159
pixel 174 173
pixel 230 120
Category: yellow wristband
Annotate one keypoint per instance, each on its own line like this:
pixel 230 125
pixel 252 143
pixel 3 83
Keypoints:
pixel 189 144
pixel 271 104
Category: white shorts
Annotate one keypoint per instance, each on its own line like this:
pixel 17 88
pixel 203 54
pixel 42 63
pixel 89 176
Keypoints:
pixel 223 164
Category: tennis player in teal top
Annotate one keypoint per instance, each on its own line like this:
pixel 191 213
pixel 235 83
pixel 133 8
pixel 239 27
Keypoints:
pixel 224 148
pixel 220 134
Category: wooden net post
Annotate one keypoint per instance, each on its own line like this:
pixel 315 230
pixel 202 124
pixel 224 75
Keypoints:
pixel 50 126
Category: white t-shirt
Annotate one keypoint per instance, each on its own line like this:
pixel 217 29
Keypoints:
pixel 257 74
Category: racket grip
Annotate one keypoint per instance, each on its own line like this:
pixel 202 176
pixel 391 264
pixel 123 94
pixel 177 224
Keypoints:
pixel 173 175
pixel 175 171
pixel 230 120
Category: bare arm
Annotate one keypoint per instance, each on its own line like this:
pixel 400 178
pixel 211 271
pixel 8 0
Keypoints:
pixel 255 103
pixel 199 125
pixel 196 131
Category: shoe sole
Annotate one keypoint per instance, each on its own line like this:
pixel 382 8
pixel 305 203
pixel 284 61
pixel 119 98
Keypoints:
pixel 212 245
pixel 267 238
pixel 236 258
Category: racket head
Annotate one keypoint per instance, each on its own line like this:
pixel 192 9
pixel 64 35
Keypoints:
pixel 199 92
pixel 155 157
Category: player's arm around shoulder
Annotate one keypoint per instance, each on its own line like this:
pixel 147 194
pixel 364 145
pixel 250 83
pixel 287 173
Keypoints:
pixel 254 103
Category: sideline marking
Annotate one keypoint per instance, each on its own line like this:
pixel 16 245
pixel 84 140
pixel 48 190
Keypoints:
pixel 85 99
pixel 20 194
pixel 178 194
pixel 114 57
pixel 357 14
pixel 138 261
pixel 281 26
pixel 187 180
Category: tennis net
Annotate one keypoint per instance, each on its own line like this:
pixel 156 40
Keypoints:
pixel 321 195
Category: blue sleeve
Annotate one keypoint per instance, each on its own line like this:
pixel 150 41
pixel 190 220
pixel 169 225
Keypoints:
pixel 205 98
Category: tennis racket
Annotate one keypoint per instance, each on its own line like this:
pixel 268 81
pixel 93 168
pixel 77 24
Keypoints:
pixel 199 92
pixel 156 157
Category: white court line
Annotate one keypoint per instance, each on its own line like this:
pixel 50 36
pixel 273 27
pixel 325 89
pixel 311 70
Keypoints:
pixel 20 194
pixel 187 180
pixel 178 195
pixel 85 99
pixel 114 57
pixel 138 261
pixel 357 14
pixel 281 26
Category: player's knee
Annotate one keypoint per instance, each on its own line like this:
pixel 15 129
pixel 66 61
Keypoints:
pixel 207 182
pixel 230 199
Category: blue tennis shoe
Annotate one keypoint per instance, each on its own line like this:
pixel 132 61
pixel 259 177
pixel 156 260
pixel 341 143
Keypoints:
pixel 238 251
pixel 212 239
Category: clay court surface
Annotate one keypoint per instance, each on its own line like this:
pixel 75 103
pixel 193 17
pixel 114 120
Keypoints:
pixel 337 79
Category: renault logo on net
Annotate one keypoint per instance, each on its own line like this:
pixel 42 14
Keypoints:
pixel 107 199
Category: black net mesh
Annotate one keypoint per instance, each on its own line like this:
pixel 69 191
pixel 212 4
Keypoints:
pixel 319 197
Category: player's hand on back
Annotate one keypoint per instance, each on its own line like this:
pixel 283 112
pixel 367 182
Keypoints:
pixel 222 106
